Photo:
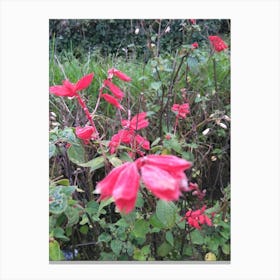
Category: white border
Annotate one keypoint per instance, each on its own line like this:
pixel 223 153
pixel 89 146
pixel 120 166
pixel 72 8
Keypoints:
pixel 24 138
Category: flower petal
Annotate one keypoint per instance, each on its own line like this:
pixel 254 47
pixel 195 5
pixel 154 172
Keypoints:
pixel 84 82
pixel 61 91
pixel 119 74
pixel 110 99
pixel 160 182
pixel 114 89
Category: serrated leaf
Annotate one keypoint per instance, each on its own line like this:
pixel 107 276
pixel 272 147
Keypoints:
pixel 169 238
pixel 166 213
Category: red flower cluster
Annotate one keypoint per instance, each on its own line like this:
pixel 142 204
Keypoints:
pixel 193 21
pixel 197 218
pixel 217 43
pixel 163 175
pixel 194 45
pixel 71 90
pixel 116 91
pixel 128 134
pixel 181 110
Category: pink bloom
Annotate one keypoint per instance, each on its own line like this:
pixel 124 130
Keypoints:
pixel 193 21
pixel 70 90
pixel 181 110
pixel 114 89
pixel 85 133
pixel 197 218
pixel 122 183
pixel 218 44
pixel 139 121
pixel 195 45
pixel 143 142
pixel 110 99
pixel 123 136
pixel 196 191
pixel 119 74
pixel 160 182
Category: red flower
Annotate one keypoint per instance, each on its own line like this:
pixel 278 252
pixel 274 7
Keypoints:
pixel 193 21
pixel 143 142
pixel 137 122
pixel 195 45
pixel 70 90
pixel 122 183
pixel 123 136
pixel 181 110
pixel 218 44
pixel 114 72
pixel 110 99
pixel 114 89
pixel 86 133
pixel 197 218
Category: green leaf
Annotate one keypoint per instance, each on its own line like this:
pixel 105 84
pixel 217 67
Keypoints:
pixel 103 204
pixel 193 64
pixel 104 237
pixel 155 222
pixel 164 249
pixel 72 215
pixel 226 249
pixel 173 144
pixel 76 153
pixel 166 213
pixel 59 233
pixel 92 207
pixel 107 256
pixel 63 182
pixel 58 201
pixel 55 254
pixel 52 150
pixel 188 156
pixel 116 246
pixel 156 85
pixel 122 223
pixel 197 237
pixel 94 164
pixel 140 200
pixel 169 238
pixel 115 161
pixel 84 229
pixel 141 228
pixel 156 142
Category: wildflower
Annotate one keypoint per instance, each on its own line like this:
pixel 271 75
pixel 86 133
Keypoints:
pixel 193 21
pixel 197 218
pixel 181 110
pixel 139 121
pixel 123 136
pixel 85 133
pixel 163 175
pixel 195 45
pixel 119 74
pixel 114 89
pixel 110 99
pixel 70 90
pixel 218 44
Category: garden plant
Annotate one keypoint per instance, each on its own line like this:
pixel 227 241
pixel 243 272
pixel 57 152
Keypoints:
pixel 139 140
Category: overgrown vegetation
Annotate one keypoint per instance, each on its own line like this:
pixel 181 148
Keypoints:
pixel 166 68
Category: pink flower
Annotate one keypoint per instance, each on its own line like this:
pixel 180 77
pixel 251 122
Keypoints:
pixel 181 110
pixel 114 72
pixel 163 175
pixel 195 45
pixel 123 136
pixel 193 21
pixel 197 218
pixel 110 99
pixel 86 133
pixel 122 183
pixel 139 121
pixel 196 191
pixel 114 89
pixel 218 44
pixel 143 142
pixel 70 90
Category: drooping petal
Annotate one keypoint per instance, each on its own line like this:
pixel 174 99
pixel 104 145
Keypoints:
pixel 208 221
pixel 110 99
pixel 84 82
pixel 160 182
pixel 126 188
pixel 119 74
pixel 107 185
pixel 167 162
pixel 114 89
pixel 62 91
pixel 85 133
pixel 139 121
